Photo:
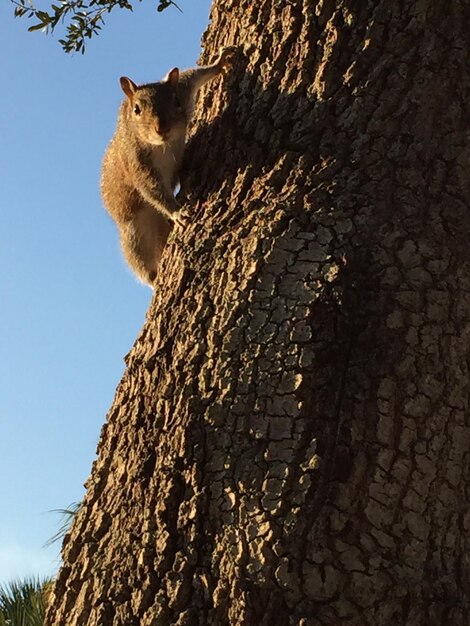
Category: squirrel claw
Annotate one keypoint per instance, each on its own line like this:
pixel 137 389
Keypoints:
pixel 180 219
pixel 227 57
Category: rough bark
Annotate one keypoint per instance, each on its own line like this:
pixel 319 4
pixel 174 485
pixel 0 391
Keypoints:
pixel 290 441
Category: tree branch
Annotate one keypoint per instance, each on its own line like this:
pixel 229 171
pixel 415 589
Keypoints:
pixel 82 18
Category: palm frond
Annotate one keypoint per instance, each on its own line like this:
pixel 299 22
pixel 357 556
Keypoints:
pixel 68 515
pixel 23 602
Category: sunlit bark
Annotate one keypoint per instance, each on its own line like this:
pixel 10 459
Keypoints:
pixel 290 441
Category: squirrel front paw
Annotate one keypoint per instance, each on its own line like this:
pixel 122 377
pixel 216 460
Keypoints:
pixel 180 218
pixel 227 57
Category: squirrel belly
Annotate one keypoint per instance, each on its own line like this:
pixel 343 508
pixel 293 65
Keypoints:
pixel 167 159
pixel 142 230
pixel 142 163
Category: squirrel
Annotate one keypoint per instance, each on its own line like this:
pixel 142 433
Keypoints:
pixel 142 163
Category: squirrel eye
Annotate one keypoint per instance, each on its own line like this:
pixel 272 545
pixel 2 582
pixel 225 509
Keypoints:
pixel 177 102
pixel 137 109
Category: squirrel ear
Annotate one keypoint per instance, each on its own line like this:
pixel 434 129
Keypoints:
pixel 128 86
pixel 173 77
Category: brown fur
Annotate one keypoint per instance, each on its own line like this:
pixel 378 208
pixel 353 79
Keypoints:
pixel 142 163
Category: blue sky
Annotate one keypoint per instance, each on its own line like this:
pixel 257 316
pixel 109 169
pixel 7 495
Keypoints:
pixel 70 309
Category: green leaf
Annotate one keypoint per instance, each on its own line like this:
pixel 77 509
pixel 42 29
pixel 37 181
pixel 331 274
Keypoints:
pixel 79 17
pixel 36 27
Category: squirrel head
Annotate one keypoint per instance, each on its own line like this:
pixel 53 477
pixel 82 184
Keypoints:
pixel 155 110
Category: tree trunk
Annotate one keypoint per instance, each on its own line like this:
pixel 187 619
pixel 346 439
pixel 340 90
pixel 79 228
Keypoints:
pixel 290 442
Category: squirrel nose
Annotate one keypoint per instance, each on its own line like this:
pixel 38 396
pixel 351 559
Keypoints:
pixel 162 130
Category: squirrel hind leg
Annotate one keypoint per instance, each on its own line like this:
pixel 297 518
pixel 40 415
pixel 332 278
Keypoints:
pixel 143 241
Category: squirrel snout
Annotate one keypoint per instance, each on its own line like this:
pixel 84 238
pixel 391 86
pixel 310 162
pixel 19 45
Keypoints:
pixel 162 130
